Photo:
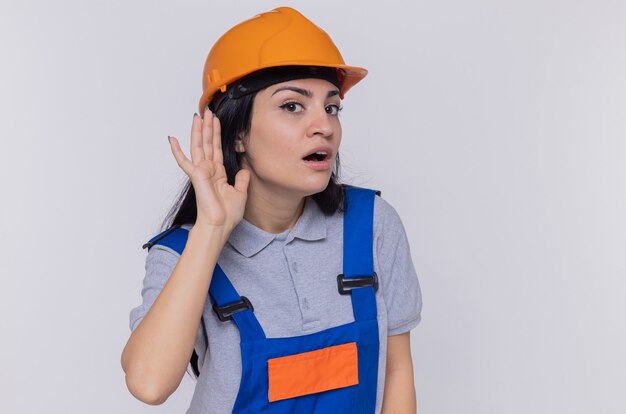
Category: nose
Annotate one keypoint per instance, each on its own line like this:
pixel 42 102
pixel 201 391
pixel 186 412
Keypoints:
pixel 320 123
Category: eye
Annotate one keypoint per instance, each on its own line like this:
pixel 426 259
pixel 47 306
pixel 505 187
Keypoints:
pixel 333 109
pixel 292 107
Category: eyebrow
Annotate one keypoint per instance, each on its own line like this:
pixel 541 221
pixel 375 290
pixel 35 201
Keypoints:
pixel 303 92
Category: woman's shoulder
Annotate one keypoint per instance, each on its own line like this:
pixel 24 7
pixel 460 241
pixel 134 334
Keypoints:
pixel 385 215
pixel 164 250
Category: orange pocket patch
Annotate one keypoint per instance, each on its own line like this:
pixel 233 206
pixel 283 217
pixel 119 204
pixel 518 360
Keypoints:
pixel 312 372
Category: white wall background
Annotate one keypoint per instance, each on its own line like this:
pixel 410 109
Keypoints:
pixel 496 128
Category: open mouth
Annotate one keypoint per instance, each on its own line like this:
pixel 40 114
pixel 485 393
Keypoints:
pixel 317 156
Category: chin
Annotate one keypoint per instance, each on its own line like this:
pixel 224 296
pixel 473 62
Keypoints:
pixel 315 187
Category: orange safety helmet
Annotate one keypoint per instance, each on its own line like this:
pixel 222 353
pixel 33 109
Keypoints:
pixel 280 37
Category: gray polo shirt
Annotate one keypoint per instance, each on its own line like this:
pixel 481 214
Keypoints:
pixel 291 280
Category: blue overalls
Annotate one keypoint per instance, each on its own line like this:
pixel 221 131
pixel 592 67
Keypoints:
pixel 331 371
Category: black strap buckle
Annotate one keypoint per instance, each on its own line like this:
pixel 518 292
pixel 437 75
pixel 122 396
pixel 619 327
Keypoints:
pixel 345 285
pixel 224 313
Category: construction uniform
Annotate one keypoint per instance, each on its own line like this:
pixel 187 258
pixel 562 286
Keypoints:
pixel 299 320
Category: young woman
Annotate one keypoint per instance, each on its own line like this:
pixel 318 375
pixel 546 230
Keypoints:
pixel 287 291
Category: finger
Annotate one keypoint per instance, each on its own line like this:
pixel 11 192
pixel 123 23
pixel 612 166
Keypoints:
pixel 207 134
pixel 197 152
pixel 242 179
pixel 181 159
pixel 218 155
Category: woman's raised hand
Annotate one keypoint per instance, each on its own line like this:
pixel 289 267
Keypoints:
pixel 219 204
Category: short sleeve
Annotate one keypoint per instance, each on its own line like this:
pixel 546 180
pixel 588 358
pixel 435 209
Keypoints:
pixel 160 263
pixel 397 277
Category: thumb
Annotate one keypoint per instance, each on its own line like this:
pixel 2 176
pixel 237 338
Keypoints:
pixel 242 179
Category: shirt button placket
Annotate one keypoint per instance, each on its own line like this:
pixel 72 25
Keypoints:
pixel 308 317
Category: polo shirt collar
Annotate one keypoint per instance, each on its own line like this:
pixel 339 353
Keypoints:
pixel 248 239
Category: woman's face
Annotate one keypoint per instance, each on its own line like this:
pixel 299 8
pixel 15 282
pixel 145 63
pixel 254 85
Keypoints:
pixel 294 137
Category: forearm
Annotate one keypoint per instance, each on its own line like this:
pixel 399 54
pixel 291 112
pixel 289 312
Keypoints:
pixel 158 351
pixel 399 396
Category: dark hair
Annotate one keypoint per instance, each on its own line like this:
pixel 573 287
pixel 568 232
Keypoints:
pixel 235 116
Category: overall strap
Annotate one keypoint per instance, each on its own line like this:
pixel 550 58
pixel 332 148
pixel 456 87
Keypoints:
pixel 175 238
pixel 358 259
pixel 221 291
pixel 223 294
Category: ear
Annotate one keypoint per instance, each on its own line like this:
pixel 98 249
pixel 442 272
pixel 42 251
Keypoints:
pixel 239 145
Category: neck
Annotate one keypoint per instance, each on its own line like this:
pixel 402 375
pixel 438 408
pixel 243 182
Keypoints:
pixel 272 212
